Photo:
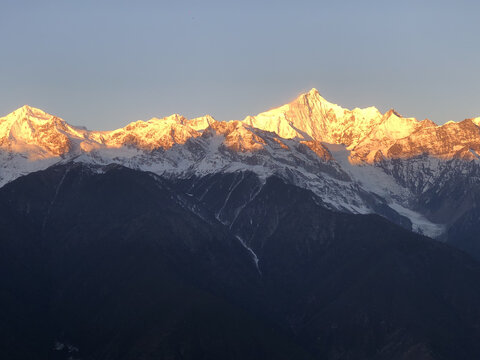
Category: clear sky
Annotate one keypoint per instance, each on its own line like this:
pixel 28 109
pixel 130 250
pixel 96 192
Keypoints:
pixel 103 64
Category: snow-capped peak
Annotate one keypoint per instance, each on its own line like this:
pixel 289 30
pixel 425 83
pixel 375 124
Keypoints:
pixel 27 110
pixel 311 116
pixel 34 132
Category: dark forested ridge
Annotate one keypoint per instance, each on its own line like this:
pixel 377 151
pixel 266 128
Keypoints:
pixel 112 263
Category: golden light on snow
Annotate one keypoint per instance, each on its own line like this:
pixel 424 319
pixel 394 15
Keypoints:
pixel 33 137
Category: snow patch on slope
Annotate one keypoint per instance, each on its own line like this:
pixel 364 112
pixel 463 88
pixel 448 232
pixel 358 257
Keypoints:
pixel 369 177
pixel 375 180
pixel 420 224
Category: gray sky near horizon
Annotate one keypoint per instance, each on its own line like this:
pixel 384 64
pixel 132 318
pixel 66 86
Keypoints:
pixel 103 64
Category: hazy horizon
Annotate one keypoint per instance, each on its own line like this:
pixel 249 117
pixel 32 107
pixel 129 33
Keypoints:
pixel 105 65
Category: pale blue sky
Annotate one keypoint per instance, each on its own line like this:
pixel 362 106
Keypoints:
pixel 105 63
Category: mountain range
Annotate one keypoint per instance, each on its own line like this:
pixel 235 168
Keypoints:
pixel 308 231
pixel 358 161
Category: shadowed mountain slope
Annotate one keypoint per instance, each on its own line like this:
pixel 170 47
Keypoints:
pixel 112 263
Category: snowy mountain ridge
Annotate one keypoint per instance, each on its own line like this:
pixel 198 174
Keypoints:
pixel 367 133
pixel 358 161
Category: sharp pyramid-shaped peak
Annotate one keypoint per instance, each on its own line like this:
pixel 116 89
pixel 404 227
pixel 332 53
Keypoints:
pixel 313 93
pixel 395 126
pixel 28 123
pixel 312 96
pixel 428 123
pixel 32 109
pixel 394 116
pixel 28 118
pixel 312 116
pixel 27 111
pixel 34 132
pixel 392 112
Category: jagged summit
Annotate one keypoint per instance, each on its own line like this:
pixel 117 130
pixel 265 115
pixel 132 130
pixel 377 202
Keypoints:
pixel 29 111
pixel 391 112
pixel 310 98
pixel 34 132
pixel 309 117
